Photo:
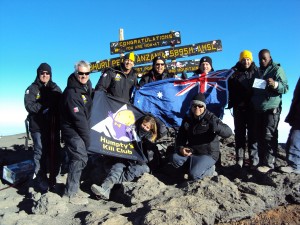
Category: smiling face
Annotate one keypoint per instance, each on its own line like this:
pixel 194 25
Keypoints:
pixel 146 125
pixel 83 74
pixel 246 62
pixel 159 66
pixel 44 77
pixel 205 67
pixel 197 110
pixel 128 64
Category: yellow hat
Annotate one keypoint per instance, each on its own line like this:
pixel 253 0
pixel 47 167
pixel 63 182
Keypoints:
pixel 130 56
pixel 246 54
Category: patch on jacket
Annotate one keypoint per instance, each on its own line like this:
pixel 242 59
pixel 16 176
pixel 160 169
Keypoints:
pixel 118 77
pixel 38 96
pixel 84 99
pixel 76 109
pixel 186 125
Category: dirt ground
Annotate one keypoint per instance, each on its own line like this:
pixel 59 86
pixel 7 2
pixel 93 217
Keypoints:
pixel 283 215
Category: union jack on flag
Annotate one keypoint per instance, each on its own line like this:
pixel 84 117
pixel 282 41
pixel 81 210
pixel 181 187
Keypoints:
pixel 169 99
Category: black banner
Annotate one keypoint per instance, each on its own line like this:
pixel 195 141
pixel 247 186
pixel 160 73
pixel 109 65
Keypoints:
pixel 113 130
pixel 154 41
pixel 169 53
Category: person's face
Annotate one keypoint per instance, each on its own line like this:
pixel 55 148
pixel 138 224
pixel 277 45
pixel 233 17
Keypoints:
pixel 146 126
pixel 205 67
pixel 128 64
pixel 44 77
pixel 83 74
pixel 264 59
pixel 160 66
pixel 246 62
pixel 197 110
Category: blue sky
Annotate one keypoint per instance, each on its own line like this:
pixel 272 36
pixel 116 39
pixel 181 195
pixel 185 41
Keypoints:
pixel 63 32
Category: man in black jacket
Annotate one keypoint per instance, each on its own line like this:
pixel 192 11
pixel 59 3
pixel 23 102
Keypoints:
pixel 42 99
pixel 120 80
pixel 75 127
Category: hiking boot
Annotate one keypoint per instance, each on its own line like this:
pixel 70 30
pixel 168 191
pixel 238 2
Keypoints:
pixel 263 169
pixel 78 200
pixel 100 191
pixel 288 169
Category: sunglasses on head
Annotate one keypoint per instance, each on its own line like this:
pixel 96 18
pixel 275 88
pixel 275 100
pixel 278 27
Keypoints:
pixel 83 73
pixel 42 73
pixel 198 106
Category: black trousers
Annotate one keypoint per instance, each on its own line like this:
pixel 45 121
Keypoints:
pixel 78 157
pixel 266 128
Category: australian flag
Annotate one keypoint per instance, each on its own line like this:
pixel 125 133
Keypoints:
pixel 170 99
pixel 113 130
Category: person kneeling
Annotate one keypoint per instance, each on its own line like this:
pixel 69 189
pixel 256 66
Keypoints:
pixel 197 140
pixel 126 170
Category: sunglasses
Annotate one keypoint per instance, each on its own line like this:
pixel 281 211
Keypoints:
pixel 198 106
pixel 42 73
pixel 159 64
pixel 83 73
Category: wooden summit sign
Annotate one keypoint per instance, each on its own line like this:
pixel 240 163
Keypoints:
pixel 173 67
pixel 154 41
pixel 169 53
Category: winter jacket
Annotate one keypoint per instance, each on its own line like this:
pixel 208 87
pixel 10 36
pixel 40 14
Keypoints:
pixel 201 135
pixel 153 76
pixel 269 98
pixel 240 86
pixel 76 110
pixel 115 82
pixel 293 117
pixel 41 102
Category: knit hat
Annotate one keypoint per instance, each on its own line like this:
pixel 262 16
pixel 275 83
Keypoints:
pixel 130 56
pixel 44 67
pixel 158 58
pixel 206 59
pixel 246 54
pixel 199 99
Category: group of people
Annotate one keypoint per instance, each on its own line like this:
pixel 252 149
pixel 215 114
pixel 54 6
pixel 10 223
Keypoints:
pixel 50 111
pixel 255 95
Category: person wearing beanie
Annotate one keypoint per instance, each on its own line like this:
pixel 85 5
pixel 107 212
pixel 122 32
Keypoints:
pixel 205 66
pixel 240 92
pixel 267 104
pixel 42 99
pixel 246 54
pixel 119 81
pixel 197 142
pixel 158 72
pixel 76 110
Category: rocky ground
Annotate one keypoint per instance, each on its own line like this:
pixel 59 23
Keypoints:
pixel 231 197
